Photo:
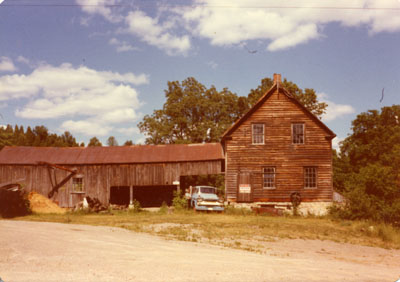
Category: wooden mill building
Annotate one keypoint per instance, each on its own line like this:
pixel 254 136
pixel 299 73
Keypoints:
pixel 276 149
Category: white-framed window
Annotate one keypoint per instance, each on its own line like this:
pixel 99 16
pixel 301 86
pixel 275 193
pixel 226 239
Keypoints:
pixel 298 133
pixel 310 177
pixel 269 174
pixel 77 184
pixel 258 133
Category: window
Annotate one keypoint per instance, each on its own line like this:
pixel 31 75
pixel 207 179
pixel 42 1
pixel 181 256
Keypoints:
pixel 269 177
pixel 258 133
pixel 298 133
pixel 77 184
pixel 310 177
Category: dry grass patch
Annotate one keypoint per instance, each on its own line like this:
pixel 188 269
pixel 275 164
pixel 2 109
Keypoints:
pixel 248 231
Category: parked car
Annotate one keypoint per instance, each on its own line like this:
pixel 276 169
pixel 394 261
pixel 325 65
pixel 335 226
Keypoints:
pixel 204 198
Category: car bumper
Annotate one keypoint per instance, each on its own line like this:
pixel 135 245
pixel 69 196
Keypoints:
pixel 209 208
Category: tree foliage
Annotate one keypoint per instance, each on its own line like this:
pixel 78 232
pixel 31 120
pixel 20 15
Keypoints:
pixel 194 113
pixel 39 136
pixel 94 142
pixel 369 166
pixel 129 143
pixel 308 97
pixel 111 141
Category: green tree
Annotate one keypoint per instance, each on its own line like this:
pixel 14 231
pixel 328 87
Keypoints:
pixel 371 156
pixel 39 136
pixel 111 141
pixel 193 113
pixel 128 143
pixel 68 140
pixel 94 142
pixel 307 97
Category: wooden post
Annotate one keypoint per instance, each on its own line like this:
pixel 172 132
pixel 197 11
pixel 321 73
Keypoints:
pixel 131 195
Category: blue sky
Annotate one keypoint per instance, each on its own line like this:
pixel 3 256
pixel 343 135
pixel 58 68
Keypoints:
pixel 95 67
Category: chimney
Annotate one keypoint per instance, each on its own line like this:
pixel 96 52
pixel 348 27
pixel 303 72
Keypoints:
pixel 277 78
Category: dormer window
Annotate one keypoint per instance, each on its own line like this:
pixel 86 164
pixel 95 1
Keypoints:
pixel 258 133
pixel 298 133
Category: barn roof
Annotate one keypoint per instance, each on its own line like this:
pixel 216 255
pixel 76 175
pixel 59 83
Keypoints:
pixel 112 155
pixel 276 86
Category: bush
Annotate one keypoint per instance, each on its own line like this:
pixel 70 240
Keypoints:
pixel 137 207
pixel 179 201
pixel 373 193
pixel 237 211
pixel 14 203
pixel 163 208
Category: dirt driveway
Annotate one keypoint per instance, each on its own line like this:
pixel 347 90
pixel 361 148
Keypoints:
pixel 33 251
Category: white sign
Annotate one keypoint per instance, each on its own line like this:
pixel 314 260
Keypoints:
pixel 244 188
pixel 175 183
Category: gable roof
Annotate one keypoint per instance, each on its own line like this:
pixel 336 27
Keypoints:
pixel 260 102
pixel 112 155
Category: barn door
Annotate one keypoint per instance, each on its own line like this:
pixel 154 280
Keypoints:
pixel 245 189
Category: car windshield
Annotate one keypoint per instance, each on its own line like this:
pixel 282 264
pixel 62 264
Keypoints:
pixel 207 190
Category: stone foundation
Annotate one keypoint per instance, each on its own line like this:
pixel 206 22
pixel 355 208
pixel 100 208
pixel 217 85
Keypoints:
pixel 305 208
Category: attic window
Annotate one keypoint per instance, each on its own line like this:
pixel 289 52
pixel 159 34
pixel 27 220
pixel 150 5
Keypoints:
pixel 298 133
pixel 77 184
pixel 258 133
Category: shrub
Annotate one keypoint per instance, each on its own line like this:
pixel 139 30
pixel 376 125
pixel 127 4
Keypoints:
pixel 373 193
pixel 179 201
pixel 137 207
pixel 163 208
pixel 14 203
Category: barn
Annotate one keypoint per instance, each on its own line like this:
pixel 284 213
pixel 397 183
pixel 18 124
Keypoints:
pixel 278 150
pixel 115 175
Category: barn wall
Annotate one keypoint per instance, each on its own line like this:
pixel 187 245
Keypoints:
pixel 99 178
pixel 242 157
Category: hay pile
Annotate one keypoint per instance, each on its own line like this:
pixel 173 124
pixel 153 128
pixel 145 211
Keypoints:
pixel 41 204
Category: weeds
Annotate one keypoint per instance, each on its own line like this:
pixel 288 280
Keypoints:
pixel 179 201
pixel 236 225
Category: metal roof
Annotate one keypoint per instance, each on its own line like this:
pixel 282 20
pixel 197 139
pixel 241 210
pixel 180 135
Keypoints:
pixel 112 155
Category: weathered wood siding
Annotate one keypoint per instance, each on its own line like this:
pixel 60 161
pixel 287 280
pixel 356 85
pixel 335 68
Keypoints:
pixel 278 113
pixel 98 179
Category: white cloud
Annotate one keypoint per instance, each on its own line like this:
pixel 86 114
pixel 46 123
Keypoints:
pixel 122 46
pixel 100 7
pixel 128 131
pixel 280 25
pixel 212 64
pixel 335 143
pixel 22 59
pixel 7 65
pixel 86 96
pixel 86 127
pixel 233 22
pixel 153 33
pixel 334 110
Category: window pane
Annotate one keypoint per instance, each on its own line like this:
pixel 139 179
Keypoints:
pixel 269 177
pixel 258 133
pixel 77 184
pixel 298 133
pixel 310 177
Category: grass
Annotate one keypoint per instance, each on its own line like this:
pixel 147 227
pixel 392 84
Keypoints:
pixel 242 230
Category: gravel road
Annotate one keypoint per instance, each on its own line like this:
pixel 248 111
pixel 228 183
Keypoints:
pixel 39 251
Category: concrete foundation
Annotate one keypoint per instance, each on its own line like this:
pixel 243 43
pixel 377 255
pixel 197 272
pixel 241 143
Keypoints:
pixel 304 209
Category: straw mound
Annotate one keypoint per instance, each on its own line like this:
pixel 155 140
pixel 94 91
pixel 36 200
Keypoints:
pixel 41 204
